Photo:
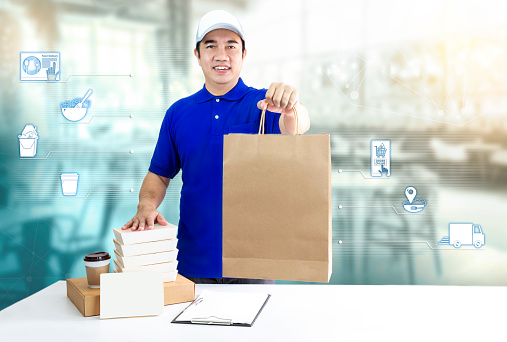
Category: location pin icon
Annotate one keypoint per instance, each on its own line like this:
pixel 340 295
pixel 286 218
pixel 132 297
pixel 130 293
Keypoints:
pixel 410 192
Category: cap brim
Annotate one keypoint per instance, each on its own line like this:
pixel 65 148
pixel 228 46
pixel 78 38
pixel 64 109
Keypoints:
pixel 218 26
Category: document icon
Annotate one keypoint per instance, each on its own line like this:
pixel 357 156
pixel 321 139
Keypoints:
pixel 39 66
pixel 380 157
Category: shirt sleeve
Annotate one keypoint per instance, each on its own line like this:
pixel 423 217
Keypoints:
pixel 166 161
pixel 272 122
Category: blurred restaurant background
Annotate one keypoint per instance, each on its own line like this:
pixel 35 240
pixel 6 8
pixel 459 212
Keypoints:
pixel 428 76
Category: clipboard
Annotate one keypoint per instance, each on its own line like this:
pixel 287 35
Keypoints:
pixel 224 308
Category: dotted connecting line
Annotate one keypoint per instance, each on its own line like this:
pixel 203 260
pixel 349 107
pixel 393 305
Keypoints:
pixel 362 174
pixel 131 152
pixel 90 191
pixel 73 75
pixel 86 123
pixel 378 206
pixel 341 242
pixel 129 75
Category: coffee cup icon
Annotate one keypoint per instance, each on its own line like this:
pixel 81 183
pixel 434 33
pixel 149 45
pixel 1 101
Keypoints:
pixel 69 183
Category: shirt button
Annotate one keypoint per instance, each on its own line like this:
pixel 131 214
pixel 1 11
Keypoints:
pixel 218 100
pixel 216 116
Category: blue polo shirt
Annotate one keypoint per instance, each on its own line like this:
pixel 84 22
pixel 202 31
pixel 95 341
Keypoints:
pixel 191 139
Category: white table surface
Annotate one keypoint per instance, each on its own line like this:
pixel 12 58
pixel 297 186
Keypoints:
pixel 294 313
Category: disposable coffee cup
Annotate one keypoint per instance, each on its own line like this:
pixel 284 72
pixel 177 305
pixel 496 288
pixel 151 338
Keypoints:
pixel 69 183
pixel 96 263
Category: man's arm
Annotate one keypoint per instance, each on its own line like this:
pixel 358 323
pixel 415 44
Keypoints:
pixel 280 98
pixel 151 195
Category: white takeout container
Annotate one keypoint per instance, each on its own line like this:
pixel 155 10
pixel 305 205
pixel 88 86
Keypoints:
pixel 28 141
pixel 28 147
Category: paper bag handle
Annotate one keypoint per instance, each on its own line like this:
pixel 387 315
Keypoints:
pixel 262 127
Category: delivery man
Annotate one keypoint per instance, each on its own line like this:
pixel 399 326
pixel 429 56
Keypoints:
pixel 191 140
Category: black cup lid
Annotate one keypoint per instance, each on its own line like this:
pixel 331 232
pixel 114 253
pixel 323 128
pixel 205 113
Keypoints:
pixel 97 256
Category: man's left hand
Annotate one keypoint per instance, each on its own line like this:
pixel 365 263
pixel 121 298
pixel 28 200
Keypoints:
pixel 280 98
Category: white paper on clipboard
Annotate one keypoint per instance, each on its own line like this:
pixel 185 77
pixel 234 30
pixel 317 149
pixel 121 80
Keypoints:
pixel 213 307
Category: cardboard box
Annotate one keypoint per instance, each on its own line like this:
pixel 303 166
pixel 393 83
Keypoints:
pixel 87 300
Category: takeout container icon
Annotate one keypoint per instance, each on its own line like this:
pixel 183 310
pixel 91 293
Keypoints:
pixel 76 109
pixel 28 141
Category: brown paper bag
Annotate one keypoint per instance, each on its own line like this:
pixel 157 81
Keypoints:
pixel 277 206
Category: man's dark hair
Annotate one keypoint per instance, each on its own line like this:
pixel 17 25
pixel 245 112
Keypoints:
pixel 242 48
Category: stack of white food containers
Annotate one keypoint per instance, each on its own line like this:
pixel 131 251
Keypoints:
pixel 147 250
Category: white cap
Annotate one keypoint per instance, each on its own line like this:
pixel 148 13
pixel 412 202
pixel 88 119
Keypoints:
pixel 215 20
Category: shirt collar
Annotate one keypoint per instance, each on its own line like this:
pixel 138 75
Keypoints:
pixel 236 93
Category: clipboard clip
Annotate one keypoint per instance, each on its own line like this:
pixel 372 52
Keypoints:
pixel 212 320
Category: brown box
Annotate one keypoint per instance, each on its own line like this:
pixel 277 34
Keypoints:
pixel 87 300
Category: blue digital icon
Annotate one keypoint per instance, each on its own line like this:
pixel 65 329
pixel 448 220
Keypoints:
pixel 51 72
pixel 39 66
pixel 69 183
pixel 31 65
pixel 76 109
pixel 28 141
pixel 380 157
pixel 461 234
pixel 413 205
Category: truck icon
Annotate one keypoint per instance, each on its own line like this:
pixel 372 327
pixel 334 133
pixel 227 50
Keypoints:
pixel 464 234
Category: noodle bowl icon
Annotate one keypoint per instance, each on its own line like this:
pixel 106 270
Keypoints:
pixel 76 109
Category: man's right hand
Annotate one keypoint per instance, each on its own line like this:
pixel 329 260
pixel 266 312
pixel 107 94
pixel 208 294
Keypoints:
pixel 145 219
pixel 150 196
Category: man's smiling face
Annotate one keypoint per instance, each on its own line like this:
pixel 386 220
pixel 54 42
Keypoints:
pixel 221 59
